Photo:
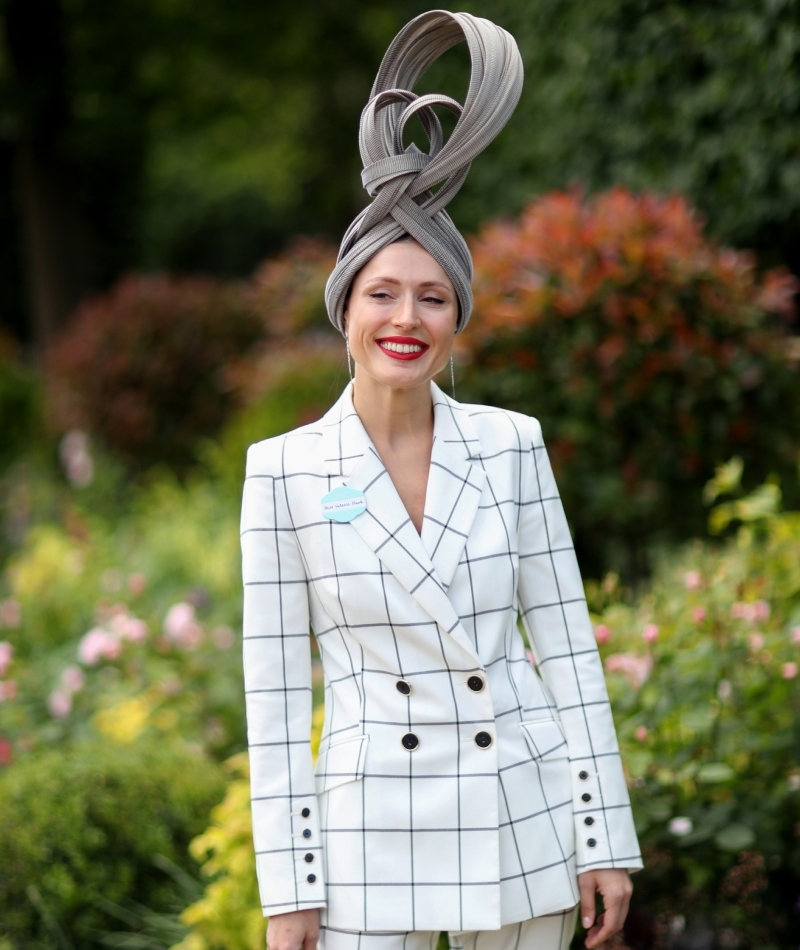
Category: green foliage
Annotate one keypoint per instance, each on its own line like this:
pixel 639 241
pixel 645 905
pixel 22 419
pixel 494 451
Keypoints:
pixel 648 353
pixel 81 828
pixel 703 676
pixel 20 409
pixel 692 96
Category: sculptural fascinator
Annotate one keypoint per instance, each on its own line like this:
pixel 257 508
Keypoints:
pixel 403 181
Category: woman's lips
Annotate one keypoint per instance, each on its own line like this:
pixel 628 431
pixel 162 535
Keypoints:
pixel 402 347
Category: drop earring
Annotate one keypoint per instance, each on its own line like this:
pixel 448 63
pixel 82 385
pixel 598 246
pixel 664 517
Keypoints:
pixel 349 364
pixel 452 376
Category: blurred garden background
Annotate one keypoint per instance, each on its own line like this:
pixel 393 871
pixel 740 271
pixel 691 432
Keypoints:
pixel 174 179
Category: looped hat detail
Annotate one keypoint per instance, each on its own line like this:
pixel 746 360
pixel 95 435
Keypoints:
pixel 401 181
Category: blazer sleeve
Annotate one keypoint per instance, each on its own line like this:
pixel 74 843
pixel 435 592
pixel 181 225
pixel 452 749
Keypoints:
pixel 278 697
pixel 553 609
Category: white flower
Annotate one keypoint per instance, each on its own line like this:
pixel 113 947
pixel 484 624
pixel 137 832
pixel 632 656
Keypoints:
pixel 680 826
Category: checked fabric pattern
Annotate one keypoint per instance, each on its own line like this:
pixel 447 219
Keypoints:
pixel 514 783
pixel 401 180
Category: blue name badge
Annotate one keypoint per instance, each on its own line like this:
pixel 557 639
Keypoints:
pixel 343 504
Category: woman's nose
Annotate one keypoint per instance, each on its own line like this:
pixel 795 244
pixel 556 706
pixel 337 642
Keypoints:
pixel 406 312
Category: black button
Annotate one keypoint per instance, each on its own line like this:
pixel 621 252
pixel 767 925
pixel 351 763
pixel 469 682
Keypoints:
pixel 311 878
pixel 475 683
pixel 483 740
pixel 583 774
pixel 586 797
pixel 306 832
pixel 305 812
pixel 309 858
pixel 591 842
pixel 403 687
pixel 410 741
pixel 588 821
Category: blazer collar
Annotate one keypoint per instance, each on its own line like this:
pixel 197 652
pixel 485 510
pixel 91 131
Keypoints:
pixel 423 565
pixel 345 439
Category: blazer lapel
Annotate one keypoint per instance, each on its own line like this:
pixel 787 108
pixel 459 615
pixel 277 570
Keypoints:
pixel 386 527
pixel 455 486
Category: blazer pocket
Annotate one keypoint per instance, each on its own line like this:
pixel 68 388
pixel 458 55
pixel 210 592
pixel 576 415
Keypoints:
pixel 545 738
pixel 340 763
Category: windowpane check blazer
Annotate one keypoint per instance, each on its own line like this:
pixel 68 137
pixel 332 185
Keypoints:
pixel 459 786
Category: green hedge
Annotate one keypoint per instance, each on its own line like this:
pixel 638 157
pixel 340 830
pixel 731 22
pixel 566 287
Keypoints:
pixel 81 826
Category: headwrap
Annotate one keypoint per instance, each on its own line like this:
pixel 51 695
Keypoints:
pixel 401 181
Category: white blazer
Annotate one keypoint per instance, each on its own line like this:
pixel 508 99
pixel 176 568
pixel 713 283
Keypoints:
pixel 457 787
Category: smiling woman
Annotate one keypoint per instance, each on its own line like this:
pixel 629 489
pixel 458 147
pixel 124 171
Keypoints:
pixel 457 787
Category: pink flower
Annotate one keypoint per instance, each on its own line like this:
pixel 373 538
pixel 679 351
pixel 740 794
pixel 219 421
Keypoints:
pixel 650 633
pixel 756 641
pixel 789 671
pixel 59 704
pixel 6 751
pixel 8 690
pixel 136 582
pixel 796 635
pixel 760 611
pixel 76 458
pixel 699 614
pixel 181 628
pixel 6 655
pixel 636 668
pixel 223 638
pixel 135 630
pixel 10 613
pixel 98 644
pixel 72 679
pixel 756 612
pixel 724 689
pixel 126 627
pixel 602 633
pixel 641 733
pixel 692 580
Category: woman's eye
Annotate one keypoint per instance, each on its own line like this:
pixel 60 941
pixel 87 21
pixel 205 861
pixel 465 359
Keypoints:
pixel 380 295
pixel 436 300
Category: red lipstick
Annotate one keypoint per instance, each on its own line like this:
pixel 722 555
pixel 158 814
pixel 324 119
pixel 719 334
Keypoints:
pixel 402 347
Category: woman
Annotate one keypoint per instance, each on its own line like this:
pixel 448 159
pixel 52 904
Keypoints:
pixel 457 788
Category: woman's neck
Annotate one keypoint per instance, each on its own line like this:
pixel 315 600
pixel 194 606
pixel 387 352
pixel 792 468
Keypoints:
pixel 393 417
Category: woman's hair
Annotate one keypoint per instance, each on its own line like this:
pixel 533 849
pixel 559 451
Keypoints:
pixel 401 180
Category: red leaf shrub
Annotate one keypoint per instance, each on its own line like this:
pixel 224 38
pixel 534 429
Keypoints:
pixel 288 291
pixel 648 353
pixel 145 366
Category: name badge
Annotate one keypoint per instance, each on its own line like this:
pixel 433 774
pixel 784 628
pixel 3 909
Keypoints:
pixel 343 504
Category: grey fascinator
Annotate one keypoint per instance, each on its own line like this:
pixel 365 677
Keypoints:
pixel 402 182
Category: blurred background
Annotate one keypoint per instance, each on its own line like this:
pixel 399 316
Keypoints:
pixel 174 180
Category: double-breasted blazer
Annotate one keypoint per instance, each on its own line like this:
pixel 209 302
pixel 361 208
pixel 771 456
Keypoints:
pixel 459 786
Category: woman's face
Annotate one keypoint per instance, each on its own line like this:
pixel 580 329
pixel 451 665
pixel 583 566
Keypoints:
pixel 401 316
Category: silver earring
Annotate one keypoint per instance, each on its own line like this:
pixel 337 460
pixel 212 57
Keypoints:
pixel 452 376
pixel 349 364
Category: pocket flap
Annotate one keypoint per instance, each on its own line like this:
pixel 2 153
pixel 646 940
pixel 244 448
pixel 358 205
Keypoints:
pixel 340 763
pixel 545 738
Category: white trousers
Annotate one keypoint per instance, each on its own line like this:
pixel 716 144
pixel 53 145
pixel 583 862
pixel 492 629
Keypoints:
pixel 550 932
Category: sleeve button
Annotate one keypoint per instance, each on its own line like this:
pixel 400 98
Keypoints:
pixel 306 832
pixel 309 858
pixel 591 842
pixel 311 878
pixel 588 820
pixel 305 812
pixel 403 687
pixel 586 797
pixel 583 774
